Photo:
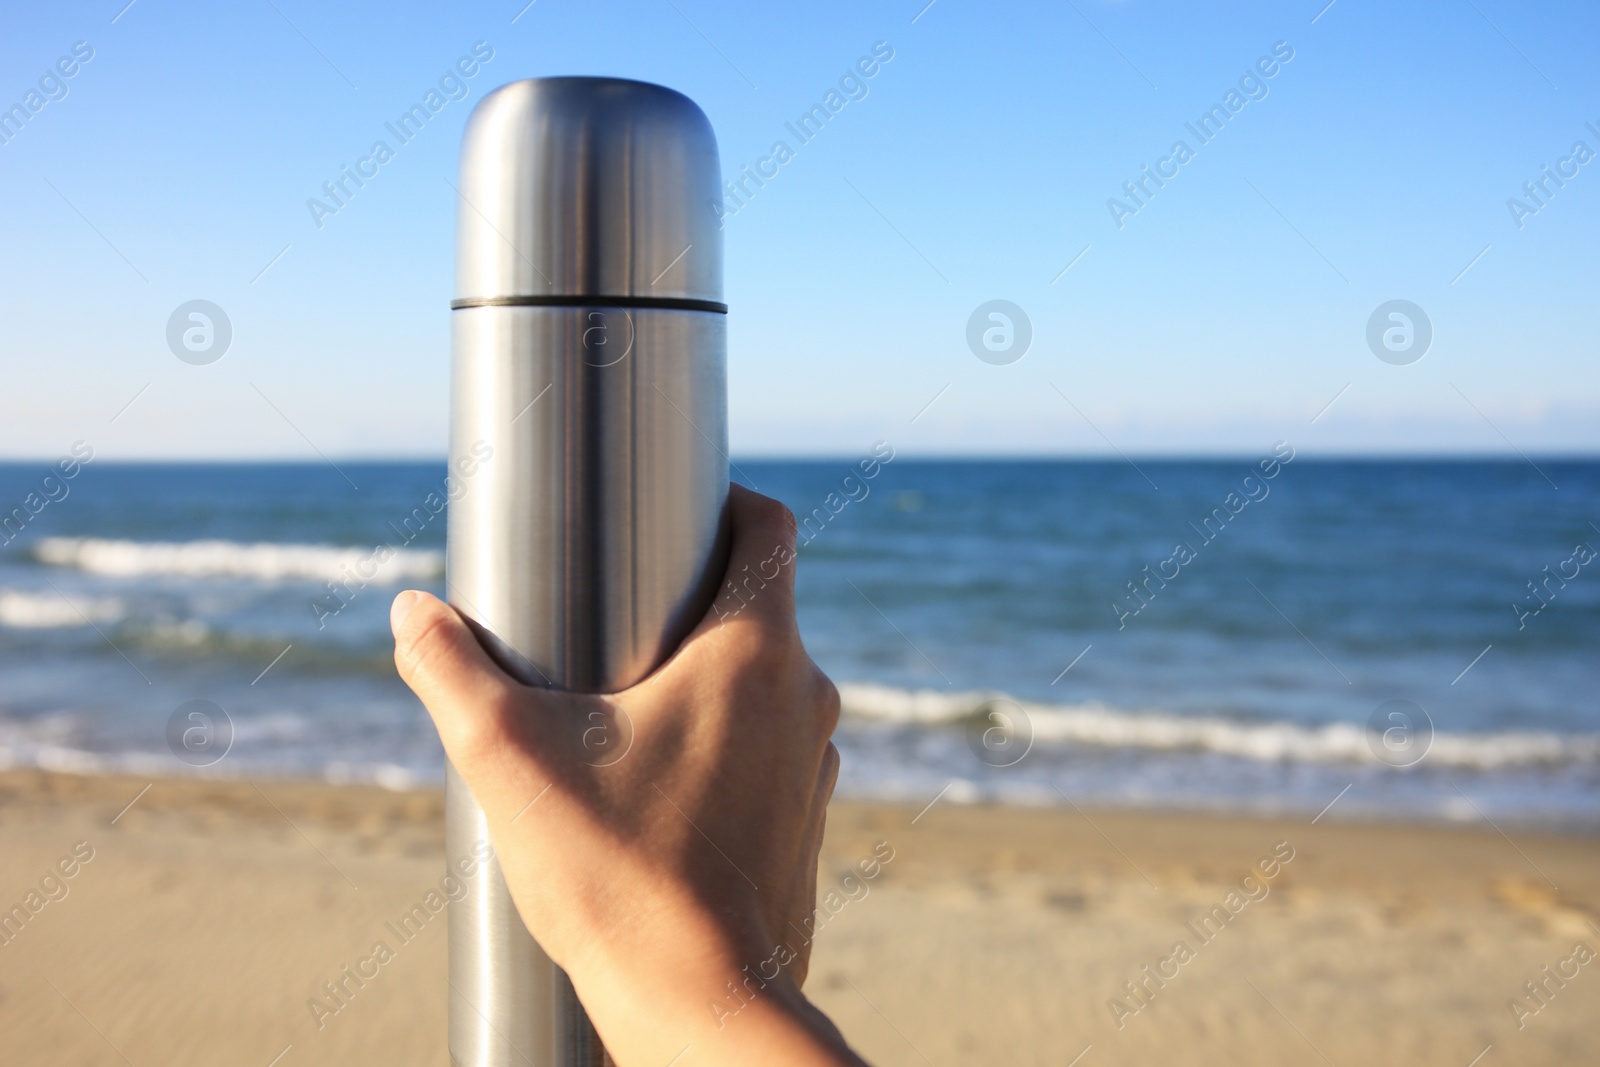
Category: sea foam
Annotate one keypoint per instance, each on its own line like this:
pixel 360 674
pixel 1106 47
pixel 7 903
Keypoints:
pixel 1273 741
pixel 233 559
pixel 22 610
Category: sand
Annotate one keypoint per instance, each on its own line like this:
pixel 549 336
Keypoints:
pixel 210 912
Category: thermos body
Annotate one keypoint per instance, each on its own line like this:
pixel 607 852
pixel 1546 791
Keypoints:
pixel 589 399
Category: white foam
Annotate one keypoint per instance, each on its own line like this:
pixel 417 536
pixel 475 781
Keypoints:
pixel 264 561
pixel 1096 724
pixel 21 610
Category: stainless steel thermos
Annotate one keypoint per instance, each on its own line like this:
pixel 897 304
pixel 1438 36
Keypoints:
pixel 589 367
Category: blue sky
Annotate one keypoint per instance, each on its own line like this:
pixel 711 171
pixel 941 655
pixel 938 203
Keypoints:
pixel 1223 315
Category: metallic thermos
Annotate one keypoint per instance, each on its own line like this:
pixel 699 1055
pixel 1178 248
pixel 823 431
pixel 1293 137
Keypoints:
pixel 589 366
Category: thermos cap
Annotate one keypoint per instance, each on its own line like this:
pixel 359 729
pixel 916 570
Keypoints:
pixel 589 188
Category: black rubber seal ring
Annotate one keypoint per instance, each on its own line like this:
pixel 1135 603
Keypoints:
pixel 671 303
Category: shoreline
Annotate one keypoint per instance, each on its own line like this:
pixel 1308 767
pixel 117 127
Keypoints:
pixel 213 911
pixel 405 782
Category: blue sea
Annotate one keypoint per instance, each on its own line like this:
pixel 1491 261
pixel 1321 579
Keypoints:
pixel 1397 639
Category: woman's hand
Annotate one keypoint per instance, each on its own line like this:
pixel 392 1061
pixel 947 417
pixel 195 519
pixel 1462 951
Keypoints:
pixel 675 885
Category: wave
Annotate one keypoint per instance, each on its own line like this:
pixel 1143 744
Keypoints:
pixel 280 746
pixel 928 760
pixel 1268 742
pixel 264 561
pixel 65 759
pixel 21 610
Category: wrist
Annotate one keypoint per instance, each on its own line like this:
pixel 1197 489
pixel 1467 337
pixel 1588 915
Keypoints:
pixel 653 989
pixel 777 1025
pixel 774 1023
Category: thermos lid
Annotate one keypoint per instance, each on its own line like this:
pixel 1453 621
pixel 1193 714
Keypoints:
pixel 588 188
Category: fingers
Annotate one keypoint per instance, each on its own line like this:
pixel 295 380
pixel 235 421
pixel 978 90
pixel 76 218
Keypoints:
pixel 761 560
pixel 805 904
pixel 827 778
pixel 439 657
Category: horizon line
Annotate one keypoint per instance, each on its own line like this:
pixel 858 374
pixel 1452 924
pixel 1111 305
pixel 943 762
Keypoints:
pixel 1375 456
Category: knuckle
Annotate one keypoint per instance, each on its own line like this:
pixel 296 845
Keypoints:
pixel 481 731
pixel 827 780
pixel 418 649
pixel 776 513
pixel 828 705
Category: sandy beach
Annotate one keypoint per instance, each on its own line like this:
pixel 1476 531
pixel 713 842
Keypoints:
pixel 196 927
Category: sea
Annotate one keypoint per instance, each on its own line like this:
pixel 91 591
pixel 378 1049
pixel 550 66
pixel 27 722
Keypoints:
pixel 1397 639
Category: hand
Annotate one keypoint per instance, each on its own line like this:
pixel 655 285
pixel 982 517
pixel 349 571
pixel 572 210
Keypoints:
pixel 675 886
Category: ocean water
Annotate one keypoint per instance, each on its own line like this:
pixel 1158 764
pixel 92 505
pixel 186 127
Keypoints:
pixel 1406 639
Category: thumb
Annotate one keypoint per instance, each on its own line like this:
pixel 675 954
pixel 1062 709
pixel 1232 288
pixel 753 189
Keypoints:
pixel 470 698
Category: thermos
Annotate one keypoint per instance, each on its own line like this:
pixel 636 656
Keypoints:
pixel 589 366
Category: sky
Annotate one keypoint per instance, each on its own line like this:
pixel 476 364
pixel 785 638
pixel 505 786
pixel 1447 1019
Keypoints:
pixel 1223 310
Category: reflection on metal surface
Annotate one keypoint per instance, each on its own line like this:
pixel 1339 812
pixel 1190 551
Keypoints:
pixel 596 534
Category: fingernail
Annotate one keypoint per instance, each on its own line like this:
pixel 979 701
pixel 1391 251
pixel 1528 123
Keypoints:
pixel 401 608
